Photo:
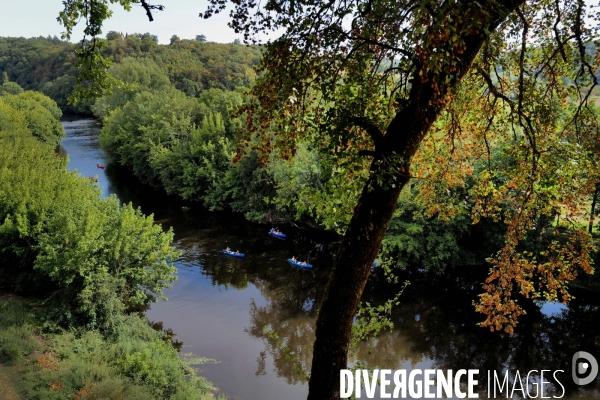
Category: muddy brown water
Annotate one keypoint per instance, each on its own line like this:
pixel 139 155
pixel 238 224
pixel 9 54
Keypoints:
pixel 230 309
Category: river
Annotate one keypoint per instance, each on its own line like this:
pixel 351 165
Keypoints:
pixel 230 309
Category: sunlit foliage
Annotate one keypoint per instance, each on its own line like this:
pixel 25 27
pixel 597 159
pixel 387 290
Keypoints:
pixel 89 257
pixel 47 64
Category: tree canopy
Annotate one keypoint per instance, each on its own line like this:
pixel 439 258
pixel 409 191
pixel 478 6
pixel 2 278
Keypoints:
pixel 92 263
pixel 48 65
pixel 58 238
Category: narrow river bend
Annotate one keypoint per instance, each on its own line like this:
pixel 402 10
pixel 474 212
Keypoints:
pixel 224 308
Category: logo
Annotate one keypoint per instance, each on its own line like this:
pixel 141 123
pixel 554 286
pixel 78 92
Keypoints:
pixel 580 367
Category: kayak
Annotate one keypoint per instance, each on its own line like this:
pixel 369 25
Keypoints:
pixel 299 264
pixel 279 235
pixel 233 254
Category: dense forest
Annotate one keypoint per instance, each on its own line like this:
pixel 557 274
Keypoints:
pixel 46 64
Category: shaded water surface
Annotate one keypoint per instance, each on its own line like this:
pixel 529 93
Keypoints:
pixel 230 309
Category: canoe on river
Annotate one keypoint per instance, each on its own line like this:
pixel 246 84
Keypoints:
pixel 277 234
pixel 233 254
pixel 299 264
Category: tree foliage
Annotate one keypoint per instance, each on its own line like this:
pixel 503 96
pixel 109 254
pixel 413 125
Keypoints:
pixel 41 64
pixel 48 65
pixel 33 113
pixel 91 257
pixel 429 89
pixel 9 87
pixel 345 74
pixel 138 75
pixel 181 144
pixel 41 114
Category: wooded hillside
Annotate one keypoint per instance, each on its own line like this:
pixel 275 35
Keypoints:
pixel 46 64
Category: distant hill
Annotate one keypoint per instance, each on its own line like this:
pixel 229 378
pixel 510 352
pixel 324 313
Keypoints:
pixel 46 64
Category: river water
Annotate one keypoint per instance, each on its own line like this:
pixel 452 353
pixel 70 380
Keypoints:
pixel 230 309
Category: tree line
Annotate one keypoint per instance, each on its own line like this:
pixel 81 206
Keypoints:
pixel 47 64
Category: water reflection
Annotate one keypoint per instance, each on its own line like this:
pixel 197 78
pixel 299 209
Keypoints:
pixel 289 314
pixel 435 327
pixel 436 322
pixel 225 308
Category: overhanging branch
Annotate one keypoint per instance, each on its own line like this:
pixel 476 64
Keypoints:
pixel 149 7
pixel 372 130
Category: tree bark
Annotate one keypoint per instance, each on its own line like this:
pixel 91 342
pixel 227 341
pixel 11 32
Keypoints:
pixel 375 207
pixel 348 279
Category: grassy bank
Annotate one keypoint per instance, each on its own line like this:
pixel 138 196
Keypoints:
pixel 40 361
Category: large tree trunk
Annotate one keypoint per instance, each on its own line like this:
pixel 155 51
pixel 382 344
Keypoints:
pixel 342 295
pixel 375 207
pixel 358 250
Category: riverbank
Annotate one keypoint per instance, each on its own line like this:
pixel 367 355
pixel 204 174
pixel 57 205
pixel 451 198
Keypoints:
pixel 39 360
pixel 80 336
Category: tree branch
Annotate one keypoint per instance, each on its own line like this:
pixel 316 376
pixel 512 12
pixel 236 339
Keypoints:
pixel 493 89
pixel 149 7
pixel 372 130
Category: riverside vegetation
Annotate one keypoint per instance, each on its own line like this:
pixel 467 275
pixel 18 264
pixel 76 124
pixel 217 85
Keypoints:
pixel 91 265
pixel 185 140
pixel 180 129
pixel 175 123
